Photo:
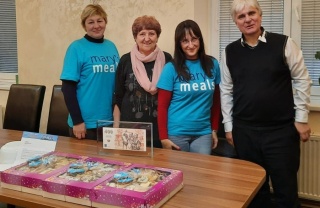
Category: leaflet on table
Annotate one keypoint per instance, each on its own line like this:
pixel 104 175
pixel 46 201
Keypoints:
pixel 33 144
pixel 124 139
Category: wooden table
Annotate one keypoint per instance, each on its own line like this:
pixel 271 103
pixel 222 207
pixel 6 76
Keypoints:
pixel 209 181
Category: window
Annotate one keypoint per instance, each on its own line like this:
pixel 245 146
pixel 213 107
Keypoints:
pixel 8 37
pixel 310 36
pixel 299 19
pixel 8 44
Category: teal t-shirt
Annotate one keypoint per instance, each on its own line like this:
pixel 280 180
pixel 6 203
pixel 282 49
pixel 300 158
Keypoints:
pixel 93 66
pixel 190 108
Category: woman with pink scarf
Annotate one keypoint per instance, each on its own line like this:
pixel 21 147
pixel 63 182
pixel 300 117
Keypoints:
pixel 136 97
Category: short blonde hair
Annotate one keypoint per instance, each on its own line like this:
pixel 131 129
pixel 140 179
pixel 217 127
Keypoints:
pixel 238 5
pixel 91 10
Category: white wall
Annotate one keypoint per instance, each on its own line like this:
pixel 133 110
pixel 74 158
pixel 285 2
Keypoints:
pixel 45 28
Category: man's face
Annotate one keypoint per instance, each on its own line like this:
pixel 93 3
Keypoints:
pixel 248 20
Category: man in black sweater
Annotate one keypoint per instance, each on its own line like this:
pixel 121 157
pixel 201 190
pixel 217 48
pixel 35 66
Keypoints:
pixel 262 117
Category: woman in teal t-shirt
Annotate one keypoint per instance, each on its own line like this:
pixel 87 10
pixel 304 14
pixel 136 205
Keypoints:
pixel 88 75
pixel 189 98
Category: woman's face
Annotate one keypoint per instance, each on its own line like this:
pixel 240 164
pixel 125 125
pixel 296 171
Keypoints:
pixel 95 26
pixel 146 41
pixel 190 45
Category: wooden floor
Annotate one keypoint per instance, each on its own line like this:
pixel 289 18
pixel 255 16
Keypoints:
pixel 309 204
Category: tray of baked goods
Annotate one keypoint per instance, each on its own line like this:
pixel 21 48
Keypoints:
pixel 93 181
pixel 138 186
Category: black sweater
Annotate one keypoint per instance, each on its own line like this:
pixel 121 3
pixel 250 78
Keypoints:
pixel 134 102
pixel 262 82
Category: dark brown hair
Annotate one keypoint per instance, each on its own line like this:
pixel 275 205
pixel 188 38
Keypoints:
pixel 179 59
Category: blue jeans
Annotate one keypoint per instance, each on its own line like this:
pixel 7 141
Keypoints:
pixel 197 144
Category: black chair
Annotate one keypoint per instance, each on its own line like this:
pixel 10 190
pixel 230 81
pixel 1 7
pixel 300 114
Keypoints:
pixel 58 114
pixel 24 107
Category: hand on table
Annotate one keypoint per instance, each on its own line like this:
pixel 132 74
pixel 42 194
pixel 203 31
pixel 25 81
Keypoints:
pixel 79 131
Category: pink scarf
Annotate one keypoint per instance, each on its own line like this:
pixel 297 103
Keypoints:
pixel 140 72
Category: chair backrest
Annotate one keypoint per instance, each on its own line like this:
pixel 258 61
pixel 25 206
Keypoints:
pixel 58 114
pixel 24 107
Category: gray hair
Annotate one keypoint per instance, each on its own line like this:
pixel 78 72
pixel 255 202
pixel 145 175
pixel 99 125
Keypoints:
pixel 238 5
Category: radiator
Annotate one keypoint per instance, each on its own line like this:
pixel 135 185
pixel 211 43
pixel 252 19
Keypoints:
pixel 309 172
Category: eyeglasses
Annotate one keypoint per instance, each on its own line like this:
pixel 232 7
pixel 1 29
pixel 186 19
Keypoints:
pixel 194 40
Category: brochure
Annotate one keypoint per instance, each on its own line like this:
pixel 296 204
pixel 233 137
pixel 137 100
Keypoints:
pixel 31 145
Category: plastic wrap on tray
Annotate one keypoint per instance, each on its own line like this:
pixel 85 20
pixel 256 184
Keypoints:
pixel 138 186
